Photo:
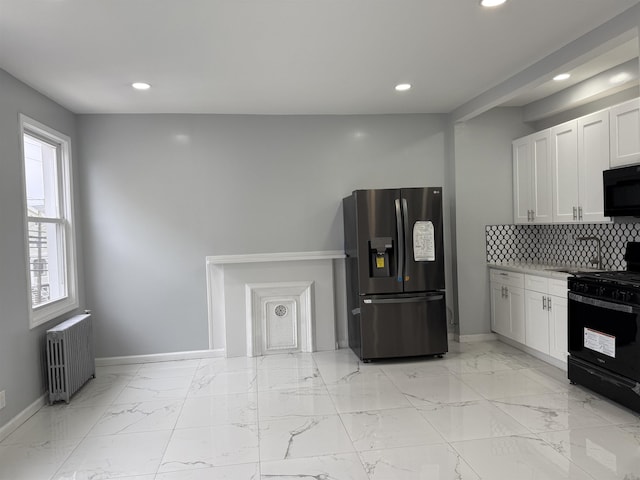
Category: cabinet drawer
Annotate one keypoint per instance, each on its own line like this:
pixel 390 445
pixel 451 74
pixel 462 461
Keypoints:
pixel 504 277
pixel 535 283
pixel 558 288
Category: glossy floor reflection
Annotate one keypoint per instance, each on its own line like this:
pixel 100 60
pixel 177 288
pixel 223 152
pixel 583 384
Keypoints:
pixel 485 411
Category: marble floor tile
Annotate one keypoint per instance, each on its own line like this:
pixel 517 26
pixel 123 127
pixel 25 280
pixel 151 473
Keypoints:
pixel 345 466
pixel 550 412
pixel 366 392
pixel 112 456
pixel 212 366
pixel 246 471
pixel 475 362
pixel 518 457
pixel 398 427
pixel 606 453
pixel 300 401
pixel 100 391
pixel 278 379
pixel 402 371
pixel 327 415
pixel 614 413
pixel 55 423
pixel 471 420
pixel 239 408
pixel 34 461
pixel 509 383
pixel 144 390
pixel 224 383
pixel 294 437
pixel 214 446
pixel 287 360
pixel 437 390
pixel 139 417
pixel 431 462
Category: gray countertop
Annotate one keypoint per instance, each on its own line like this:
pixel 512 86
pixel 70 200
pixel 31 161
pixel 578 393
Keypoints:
pixel 541 269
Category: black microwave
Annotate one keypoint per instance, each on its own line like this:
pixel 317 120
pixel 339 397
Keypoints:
pixel 622 192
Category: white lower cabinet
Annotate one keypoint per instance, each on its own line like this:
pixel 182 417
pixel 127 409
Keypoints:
pixel 507 304
pixel 531 310
pixel 536 321
pixel 558 328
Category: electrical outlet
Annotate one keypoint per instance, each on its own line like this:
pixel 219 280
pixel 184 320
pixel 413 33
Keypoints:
pixel 2 401
pixel 570 239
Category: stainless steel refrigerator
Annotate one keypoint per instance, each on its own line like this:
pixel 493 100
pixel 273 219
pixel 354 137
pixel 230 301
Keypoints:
pixel 395 272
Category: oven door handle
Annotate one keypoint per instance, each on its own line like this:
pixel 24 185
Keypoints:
pixel 619 307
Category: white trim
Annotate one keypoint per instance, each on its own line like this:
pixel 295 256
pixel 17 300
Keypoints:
pixel 216 307
pixel 22 417
pixel 275 257
pixel 48 311
pixel 159 357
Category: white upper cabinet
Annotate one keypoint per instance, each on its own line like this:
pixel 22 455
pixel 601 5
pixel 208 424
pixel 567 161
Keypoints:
pixel 579 154
pixel 532 179
pixel 625 133
pixel 593 159
pixel 564 158
pixel 522 180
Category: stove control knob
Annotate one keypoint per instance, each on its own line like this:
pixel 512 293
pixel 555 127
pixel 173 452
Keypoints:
pixel 601 291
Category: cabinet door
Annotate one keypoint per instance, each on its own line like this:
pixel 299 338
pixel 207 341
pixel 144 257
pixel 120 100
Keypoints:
pixel 564 158
pixel 516 314
pixel 499 309
pixel 558 328
pixel 536 321
pixel 625 133
pixel 521 180
pixel 541 186
pixel 593 159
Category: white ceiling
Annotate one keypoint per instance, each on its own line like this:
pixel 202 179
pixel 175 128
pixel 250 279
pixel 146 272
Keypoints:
pixel 282 56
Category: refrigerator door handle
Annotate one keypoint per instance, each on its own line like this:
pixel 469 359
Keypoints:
pixel 405 218
pixel 400 253
pixel 431 298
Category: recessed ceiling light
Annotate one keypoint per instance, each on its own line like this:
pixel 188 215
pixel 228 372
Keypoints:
pixel 620 78
pixel 141 86
pixel 403 87
pixel 491 3
pixel 561 77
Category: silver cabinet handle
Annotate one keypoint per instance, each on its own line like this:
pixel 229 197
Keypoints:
pixel 549 303
pixel 544 303
pixel 579 213
pixel 575 213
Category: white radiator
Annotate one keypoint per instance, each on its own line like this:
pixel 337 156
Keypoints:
pixel 70 357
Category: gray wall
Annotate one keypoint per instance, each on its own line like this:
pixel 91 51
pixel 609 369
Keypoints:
pixel 161 192
pixel 21 372
pixel 484 196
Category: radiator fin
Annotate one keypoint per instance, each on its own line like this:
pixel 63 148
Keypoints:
pixel 70 357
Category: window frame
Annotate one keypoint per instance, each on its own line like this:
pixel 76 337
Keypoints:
pixel 45 312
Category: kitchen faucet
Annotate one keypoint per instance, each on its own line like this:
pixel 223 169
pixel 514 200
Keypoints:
pixel 595 261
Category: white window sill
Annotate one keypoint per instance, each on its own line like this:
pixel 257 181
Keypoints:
pixel 48 312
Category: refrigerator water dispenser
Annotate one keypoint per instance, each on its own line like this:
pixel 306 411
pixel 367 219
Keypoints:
pixel 379 256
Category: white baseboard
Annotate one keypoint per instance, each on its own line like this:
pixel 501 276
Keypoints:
pixel 480 337
pixel 22 417
pixel 160 357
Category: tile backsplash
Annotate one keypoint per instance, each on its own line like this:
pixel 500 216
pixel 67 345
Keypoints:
pixel 555 244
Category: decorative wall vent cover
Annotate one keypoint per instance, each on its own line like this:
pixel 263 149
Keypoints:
pixel 281 310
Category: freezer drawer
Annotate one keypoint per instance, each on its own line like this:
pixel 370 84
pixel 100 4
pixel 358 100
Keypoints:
pixel 402 325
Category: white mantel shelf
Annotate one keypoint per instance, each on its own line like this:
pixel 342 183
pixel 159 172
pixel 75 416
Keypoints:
pixel 274 257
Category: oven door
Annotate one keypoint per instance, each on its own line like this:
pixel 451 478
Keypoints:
pixel 605 333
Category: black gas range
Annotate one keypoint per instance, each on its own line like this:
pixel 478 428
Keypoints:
pixel 604 330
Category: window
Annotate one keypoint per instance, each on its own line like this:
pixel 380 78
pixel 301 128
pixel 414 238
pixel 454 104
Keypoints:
pixel 51 258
